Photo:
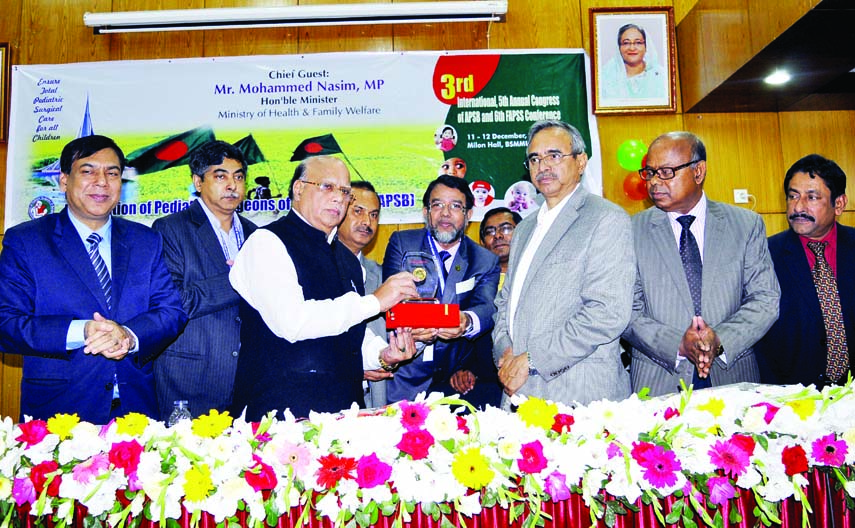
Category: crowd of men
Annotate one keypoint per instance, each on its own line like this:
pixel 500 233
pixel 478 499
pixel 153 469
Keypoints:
pixel 113 317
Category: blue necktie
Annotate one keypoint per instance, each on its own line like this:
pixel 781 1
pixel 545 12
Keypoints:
pixel 100 268
pixel 692 265
pixel 444 256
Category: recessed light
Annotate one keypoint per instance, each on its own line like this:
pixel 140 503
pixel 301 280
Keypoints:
pixel 777 77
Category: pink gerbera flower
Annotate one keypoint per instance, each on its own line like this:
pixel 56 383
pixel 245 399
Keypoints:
pixel 729 457
pixel 413 415
pixel 661 466
pixel 829 452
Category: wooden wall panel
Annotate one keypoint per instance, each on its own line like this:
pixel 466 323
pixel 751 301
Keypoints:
pixel 53 32
pixel 743 152
pixel 827 133
pixel 540 24
pixel 166 44
pixel 236 42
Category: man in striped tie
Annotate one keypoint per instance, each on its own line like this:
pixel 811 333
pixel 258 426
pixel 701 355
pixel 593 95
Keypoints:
pixel 86 297
pixel 813 261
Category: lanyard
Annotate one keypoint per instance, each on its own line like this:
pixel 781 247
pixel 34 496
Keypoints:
pixel 237 229
pixel 437 262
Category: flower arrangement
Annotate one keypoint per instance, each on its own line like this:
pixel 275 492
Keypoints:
pixel 697 448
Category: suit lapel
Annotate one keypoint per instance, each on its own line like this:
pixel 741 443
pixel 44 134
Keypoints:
pixel 796 267
pixel 207 237
pixel 121 253
pixel 720 253
pixel 72 248
pixel 665 245
pixel 458 270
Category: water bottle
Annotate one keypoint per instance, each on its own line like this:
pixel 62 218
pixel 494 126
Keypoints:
pixel 180 411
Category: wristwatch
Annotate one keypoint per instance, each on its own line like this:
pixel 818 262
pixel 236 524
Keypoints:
pixel 385 366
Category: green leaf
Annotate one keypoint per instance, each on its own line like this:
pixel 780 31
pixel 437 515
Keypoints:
pixel 734 517
pixel 362 518
pixel 689 522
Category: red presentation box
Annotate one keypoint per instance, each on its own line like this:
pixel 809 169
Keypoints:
pixel 423 315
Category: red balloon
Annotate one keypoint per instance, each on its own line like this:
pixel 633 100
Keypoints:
pixel 634 187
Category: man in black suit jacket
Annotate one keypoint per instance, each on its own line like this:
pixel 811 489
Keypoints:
pixel 472 280
pixel 200 244
pixel 795 348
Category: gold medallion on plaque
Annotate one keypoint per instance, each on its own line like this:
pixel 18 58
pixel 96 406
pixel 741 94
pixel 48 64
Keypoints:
pixel 420 274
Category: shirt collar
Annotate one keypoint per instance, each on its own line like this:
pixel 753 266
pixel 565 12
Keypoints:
pixel 83 230
pixel 215 222
pixel 330 237
pixel 699 211
pixel 547 214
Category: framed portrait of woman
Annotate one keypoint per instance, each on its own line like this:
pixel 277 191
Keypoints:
pixel 634 63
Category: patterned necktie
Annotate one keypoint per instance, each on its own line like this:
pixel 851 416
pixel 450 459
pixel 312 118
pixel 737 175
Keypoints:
pixel 832 316
pixel 100 268
pixel 691 257
pixel 444 256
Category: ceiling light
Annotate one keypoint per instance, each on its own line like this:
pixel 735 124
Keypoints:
pixel 297 15
pixel 777 77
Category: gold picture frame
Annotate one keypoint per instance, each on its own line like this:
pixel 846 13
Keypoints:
pixel 634 60
pixel 5 77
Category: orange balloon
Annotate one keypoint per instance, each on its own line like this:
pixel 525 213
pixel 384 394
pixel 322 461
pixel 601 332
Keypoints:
pixel 634 187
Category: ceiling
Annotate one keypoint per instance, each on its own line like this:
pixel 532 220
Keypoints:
pixel 818 51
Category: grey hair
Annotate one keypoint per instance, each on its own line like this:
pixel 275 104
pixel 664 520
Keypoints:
pixel 578 144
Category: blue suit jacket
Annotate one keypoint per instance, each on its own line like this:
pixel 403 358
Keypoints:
pixel 48 281
pixel 200 365
pixel 472 283
pixel 794 349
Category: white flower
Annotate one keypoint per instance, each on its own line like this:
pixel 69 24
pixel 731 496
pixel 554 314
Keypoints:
pixel 328 506
pixel 470 505
pixel 224 502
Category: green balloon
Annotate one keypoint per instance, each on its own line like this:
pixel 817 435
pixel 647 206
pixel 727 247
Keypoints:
pixel 630 153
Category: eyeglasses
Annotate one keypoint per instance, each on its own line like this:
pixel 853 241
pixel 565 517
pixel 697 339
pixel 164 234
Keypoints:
pixel 454 207
pixel 330 188
pixel 550 160
pixel 665 173
pixel 504 229
pixel 628 43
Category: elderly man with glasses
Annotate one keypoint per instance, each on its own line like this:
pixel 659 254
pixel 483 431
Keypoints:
pixel 468 276
pixel 706 289
pixel 568 293
pixel 303 305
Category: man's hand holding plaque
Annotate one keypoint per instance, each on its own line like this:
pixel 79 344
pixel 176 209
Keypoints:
pixel 424 312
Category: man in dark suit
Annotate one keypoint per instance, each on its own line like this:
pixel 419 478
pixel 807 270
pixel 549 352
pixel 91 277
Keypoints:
pixel 86 297
pixel 800 346
pixel 199 246
pixel 302 329
pixel 356 231
pixel 472 277
pixel 705 290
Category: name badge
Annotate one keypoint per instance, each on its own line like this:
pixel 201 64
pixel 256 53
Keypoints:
pixel 465 286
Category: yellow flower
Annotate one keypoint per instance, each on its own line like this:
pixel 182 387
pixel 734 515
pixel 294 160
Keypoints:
pixel 5 488
pixel 471 468
pixel 62 424
pixel 849 436
pixel 538 413
pixel 198 483
pixel 211 425
pixel 132 424
pixel 714 406
pixel 803 408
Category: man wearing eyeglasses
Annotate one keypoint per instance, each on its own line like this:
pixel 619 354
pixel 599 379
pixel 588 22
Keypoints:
pixel 304 307
pixel 477 378
pixel 470 276
pixel 706 290
pixel 568 293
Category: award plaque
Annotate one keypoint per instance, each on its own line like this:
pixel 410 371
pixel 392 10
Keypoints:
pixel 426 310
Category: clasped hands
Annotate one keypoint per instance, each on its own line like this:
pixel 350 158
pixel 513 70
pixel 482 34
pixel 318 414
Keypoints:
pixel 700 345
pixel 107 338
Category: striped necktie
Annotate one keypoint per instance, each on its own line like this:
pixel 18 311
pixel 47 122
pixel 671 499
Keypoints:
pixel 100 268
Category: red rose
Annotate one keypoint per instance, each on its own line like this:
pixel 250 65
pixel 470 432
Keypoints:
pixel 32 432
pixel 416 443
pixel 794 459
pixel 126 455
pixel 39 477
pixel 562 423
pixel 743 442
pixel 462 425
pixel 260 476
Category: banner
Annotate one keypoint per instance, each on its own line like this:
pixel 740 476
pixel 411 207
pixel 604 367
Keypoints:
pixel 396 119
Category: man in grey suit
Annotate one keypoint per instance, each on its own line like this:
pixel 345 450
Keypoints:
pixel 706 290
pixel 199 245
pixel 356 231
pixel 568 293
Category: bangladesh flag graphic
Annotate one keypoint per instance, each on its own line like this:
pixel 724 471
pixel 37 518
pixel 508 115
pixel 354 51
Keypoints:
pixel 170 152
pixel 316 146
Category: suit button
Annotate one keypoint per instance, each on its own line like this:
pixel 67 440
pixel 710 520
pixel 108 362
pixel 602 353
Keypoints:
pixel 108 386
pixel 237 319
pixel 235 353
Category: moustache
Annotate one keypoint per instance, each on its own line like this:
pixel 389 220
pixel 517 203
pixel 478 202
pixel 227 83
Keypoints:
pixel 802 215
pixel 366 230
pixel 231 195
pixel 544 174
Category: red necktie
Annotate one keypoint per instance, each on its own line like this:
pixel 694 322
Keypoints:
pixel 832 315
